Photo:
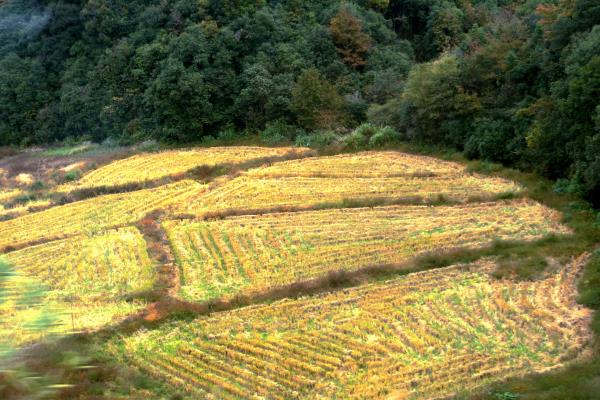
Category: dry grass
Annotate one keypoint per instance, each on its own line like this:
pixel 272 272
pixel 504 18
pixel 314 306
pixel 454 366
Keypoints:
pixel 155 166
pixel 83 283
pixel 426 335
pixel 92 215
pixel 254 253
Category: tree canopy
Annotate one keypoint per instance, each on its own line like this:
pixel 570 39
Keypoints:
pixel 512 81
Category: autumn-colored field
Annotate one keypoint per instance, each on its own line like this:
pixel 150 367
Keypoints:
pixel 82 280
pixel 250 194
pixel 152 166
pixel 325 181
pixel 247 254
pixel 298 279
pixel 363 165
pixel 426 335
pixel 8 194
pixel 92 215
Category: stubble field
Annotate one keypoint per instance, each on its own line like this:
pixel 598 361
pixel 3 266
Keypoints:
pixel 202 243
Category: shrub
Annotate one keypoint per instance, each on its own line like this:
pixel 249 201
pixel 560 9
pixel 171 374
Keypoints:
pixel 227 135
pixel 316 139
pixel 71 176
pixel 37 185
pixel 369 135
pixel 367 130
pixel 278 132
pixel 356 139
pixel 385 135
pixel 566 186
pixel 489 140
pixel 355 109
pixel 316 102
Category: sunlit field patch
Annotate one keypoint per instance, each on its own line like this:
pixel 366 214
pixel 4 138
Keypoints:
pixel 204 268
pixel 152 166
pixel 338 180
pixel 253 253
pixel 92 215
pixel 427 335
pixel 248 193
pixel 7 195
pixel 24 208
pixel 82 281
pixel 366 164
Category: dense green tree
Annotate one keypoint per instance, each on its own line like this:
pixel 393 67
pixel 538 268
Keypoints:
pixel 505 80
pixel 254 97
pixel 445 26
pixel 22 95
pixel 316 102
pixel 133 69
pixel 435 100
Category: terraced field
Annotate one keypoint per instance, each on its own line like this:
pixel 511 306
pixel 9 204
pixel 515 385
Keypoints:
pixel 363 165
pixel 339 180
pixel 253 253
pixel 192 247
pixel 426 335
pixel 83 281
pixel 152 166
pixel 93 215
pixel 252 194
pixel 22 209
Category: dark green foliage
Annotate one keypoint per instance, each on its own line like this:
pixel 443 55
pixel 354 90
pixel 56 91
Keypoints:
pixel 279 132
pixel 359 138
pixel 520 85
pixel 22 95
pixel 384 136
pixel 370 136
pixel 490 140
pixel 316 139
pixel 433 97
pixel 504 80
pixel 316 102
pixel 181 70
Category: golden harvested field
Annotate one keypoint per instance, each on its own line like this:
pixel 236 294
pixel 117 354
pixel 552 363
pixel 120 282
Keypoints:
pixel 93 215
pixel 371 176
pixel 7 195
pixel 423 336
pixel 365 164
pixel 148 167
pixel 112 263
pixel 252 253
pixel 251 193
pixel 83 278
pixel 24 208
pixel 186 286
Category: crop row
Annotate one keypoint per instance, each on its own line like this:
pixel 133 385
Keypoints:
pixel 22 209
pixel 426 335
pixel 365 164
pixel 254 253
pixel 93 215
pixel 147 167
pixel 113 263
pixel 8 194
pixel 248 192
pixel 81 282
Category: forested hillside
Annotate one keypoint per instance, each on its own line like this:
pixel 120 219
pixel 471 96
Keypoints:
pixel 505 80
